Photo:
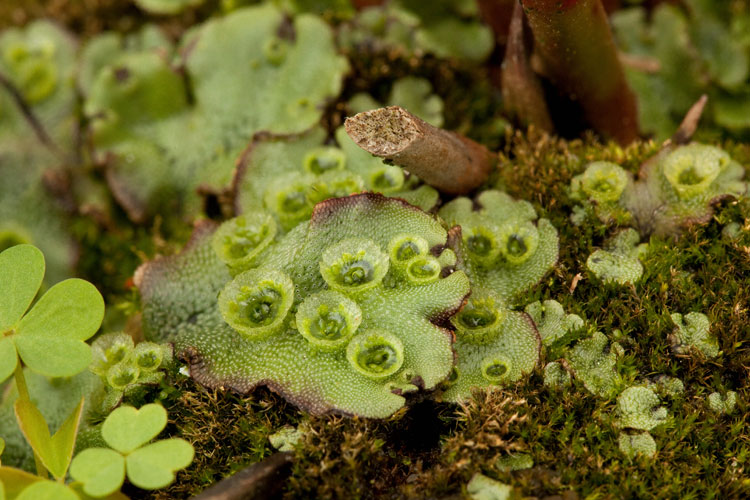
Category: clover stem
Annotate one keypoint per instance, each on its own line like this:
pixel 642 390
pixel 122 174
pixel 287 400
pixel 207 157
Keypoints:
pixel 23 395
pixel 497 15
pixel 23 389
pixel 28 115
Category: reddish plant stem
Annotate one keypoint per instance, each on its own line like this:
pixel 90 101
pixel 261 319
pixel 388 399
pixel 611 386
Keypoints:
pixel 445 160
pixel 497 15
pixel 578 54
pixel 611 5
pixel 523 95
pixel 361 4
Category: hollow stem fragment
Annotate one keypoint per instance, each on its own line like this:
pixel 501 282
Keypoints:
pixel 445 160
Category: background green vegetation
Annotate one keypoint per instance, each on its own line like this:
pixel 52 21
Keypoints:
pixel 433 449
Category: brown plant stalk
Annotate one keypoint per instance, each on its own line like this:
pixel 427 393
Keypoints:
pixel 445 160
pixel 523 95
pixel 578 53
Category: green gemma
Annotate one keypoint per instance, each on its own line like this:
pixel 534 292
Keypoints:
pixel 256 303
pixel 375 354
pixel 239 241
pixel 328 319
pixel 353 265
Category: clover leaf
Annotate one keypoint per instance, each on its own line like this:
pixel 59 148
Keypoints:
pixel 126 428
pixel 50 338
pixel 148 466
pixel 47 490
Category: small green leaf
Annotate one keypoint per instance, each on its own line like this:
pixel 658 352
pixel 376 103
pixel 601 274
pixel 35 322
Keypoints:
pixel 54 357
pixel 126 428
pixel 16 480
pixel 50 338
pixel 101 470
pixel 153 466
pixel 47 490
pixel 21 273
pixel 78 488
pixel 73 309
pixel 55 452
pixel 8 358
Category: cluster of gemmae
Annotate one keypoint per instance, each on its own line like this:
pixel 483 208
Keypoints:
pixel 371 298
pixel 356 307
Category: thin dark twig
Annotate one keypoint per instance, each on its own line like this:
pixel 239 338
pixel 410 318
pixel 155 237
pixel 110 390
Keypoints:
pixel 28 114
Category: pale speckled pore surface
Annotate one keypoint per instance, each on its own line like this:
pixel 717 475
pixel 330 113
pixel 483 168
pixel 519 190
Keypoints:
pixel 179 305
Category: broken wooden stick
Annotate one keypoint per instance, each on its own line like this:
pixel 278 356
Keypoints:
pixel 445 160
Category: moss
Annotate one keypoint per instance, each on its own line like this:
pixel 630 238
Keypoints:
pixel 228 432
pixel 434 449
